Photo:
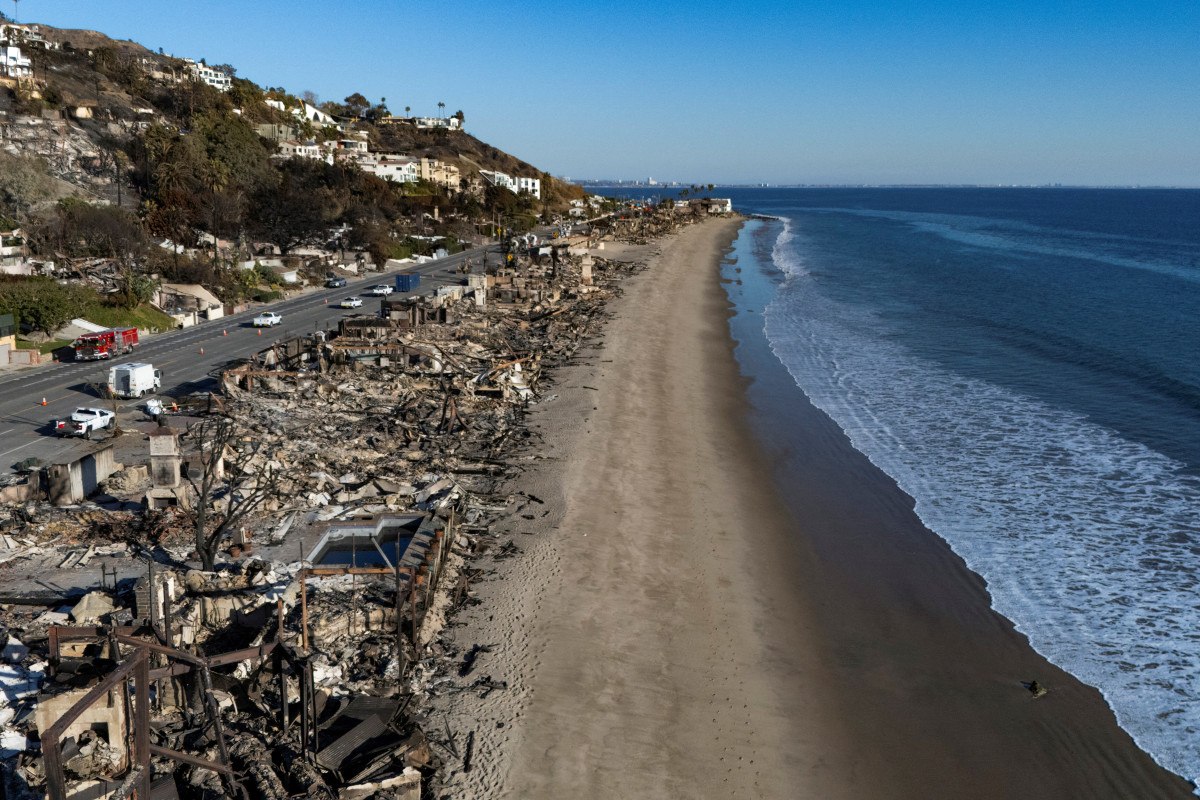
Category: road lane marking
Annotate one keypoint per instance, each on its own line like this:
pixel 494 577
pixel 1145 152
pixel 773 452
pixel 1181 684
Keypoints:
pixel 22 447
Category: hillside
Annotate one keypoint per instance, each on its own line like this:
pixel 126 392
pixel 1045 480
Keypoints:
pixel 123 168
pixel 96 89
pixel 470 155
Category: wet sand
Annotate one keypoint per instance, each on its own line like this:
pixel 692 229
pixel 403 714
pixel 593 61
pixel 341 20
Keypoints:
pixel 678 628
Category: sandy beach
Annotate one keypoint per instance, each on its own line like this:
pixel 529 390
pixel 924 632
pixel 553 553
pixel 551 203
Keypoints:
pixel 676 627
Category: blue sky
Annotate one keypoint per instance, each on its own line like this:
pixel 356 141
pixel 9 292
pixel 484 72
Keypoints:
pixel 779 92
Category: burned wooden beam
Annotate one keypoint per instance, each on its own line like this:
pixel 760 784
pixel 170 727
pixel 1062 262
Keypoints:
pixel 195 761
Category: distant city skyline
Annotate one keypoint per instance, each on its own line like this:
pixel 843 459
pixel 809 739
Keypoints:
pixel 1017 93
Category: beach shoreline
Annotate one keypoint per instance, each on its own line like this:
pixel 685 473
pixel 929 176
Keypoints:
pixel 718 597
pixel 912 633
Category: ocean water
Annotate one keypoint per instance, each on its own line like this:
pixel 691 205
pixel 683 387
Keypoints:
pixel 1026 365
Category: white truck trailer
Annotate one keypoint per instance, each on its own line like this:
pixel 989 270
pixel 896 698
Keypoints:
pixel 134 379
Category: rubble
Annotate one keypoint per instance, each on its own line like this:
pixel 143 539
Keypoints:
pixel 92 607
pixel 379 453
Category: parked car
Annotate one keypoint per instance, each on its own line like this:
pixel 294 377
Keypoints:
pixel 351 302
pixel 266 319
pixel 334 282
pixel 83 421
pixel 382 290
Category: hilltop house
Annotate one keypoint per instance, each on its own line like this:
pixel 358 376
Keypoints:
pixel 294 149
pixel 400 169
pixel 437 172
pixel 514 185
pixel 218 79
pixel 531 185
pixel 500 179
pixel 275 131
pixel 13 64
pixel 160 69
pixel 28 35
pixel 450 123
pixel 352 146
pixel 337 150
pixel 425 123
pixel 12 246
pixel 313 114
pixel 306 112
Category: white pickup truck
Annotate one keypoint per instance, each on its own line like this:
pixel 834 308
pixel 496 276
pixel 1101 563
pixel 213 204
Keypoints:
pixel 266 319
pixel 83 421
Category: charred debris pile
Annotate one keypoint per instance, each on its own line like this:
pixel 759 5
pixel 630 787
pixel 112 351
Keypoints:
pixel 337 494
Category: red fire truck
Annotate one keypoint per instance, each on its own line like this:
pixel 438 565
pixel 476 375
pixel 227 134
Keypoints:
pixel 105 344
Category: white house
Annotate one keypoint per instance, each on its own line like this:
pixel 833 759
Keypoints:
pixel 293 149
pixel 425 123
pixel 514 185
pixel 218 79
pixel 29 35
pixel 399 169
pixel 500 179
pixel 450 123
pixel 13 64
pixel 313 114
pixel 12 247
pixel 531 185
pixel 358 146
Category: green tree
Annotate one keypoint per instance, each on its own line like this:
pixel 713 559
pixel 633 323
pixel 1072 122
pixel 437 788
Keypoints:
pixel 357 105
pixel 231 147
pixel 136 287
pixel 297 208
pixel 43 304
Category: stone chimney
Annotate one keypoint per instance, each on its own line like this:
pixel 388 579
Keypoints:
pixel 165 460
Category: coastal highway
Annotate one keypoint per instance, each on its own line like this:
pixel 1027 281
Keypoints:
pixel 25 423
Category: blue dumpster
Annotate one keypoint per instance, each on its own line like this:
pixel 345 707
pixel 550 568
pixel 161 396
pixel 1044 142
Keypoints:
pixel 407 283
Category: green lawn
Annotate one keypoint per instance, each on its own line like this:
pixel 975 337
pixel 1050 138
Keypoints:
pixel 145 317
pixel 45 348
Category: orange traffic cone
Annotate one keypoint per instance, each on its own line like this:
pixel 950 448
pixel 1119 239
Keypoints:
pixel 224 332
pixel 201 351
pixel 43 401
pixel 260 331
